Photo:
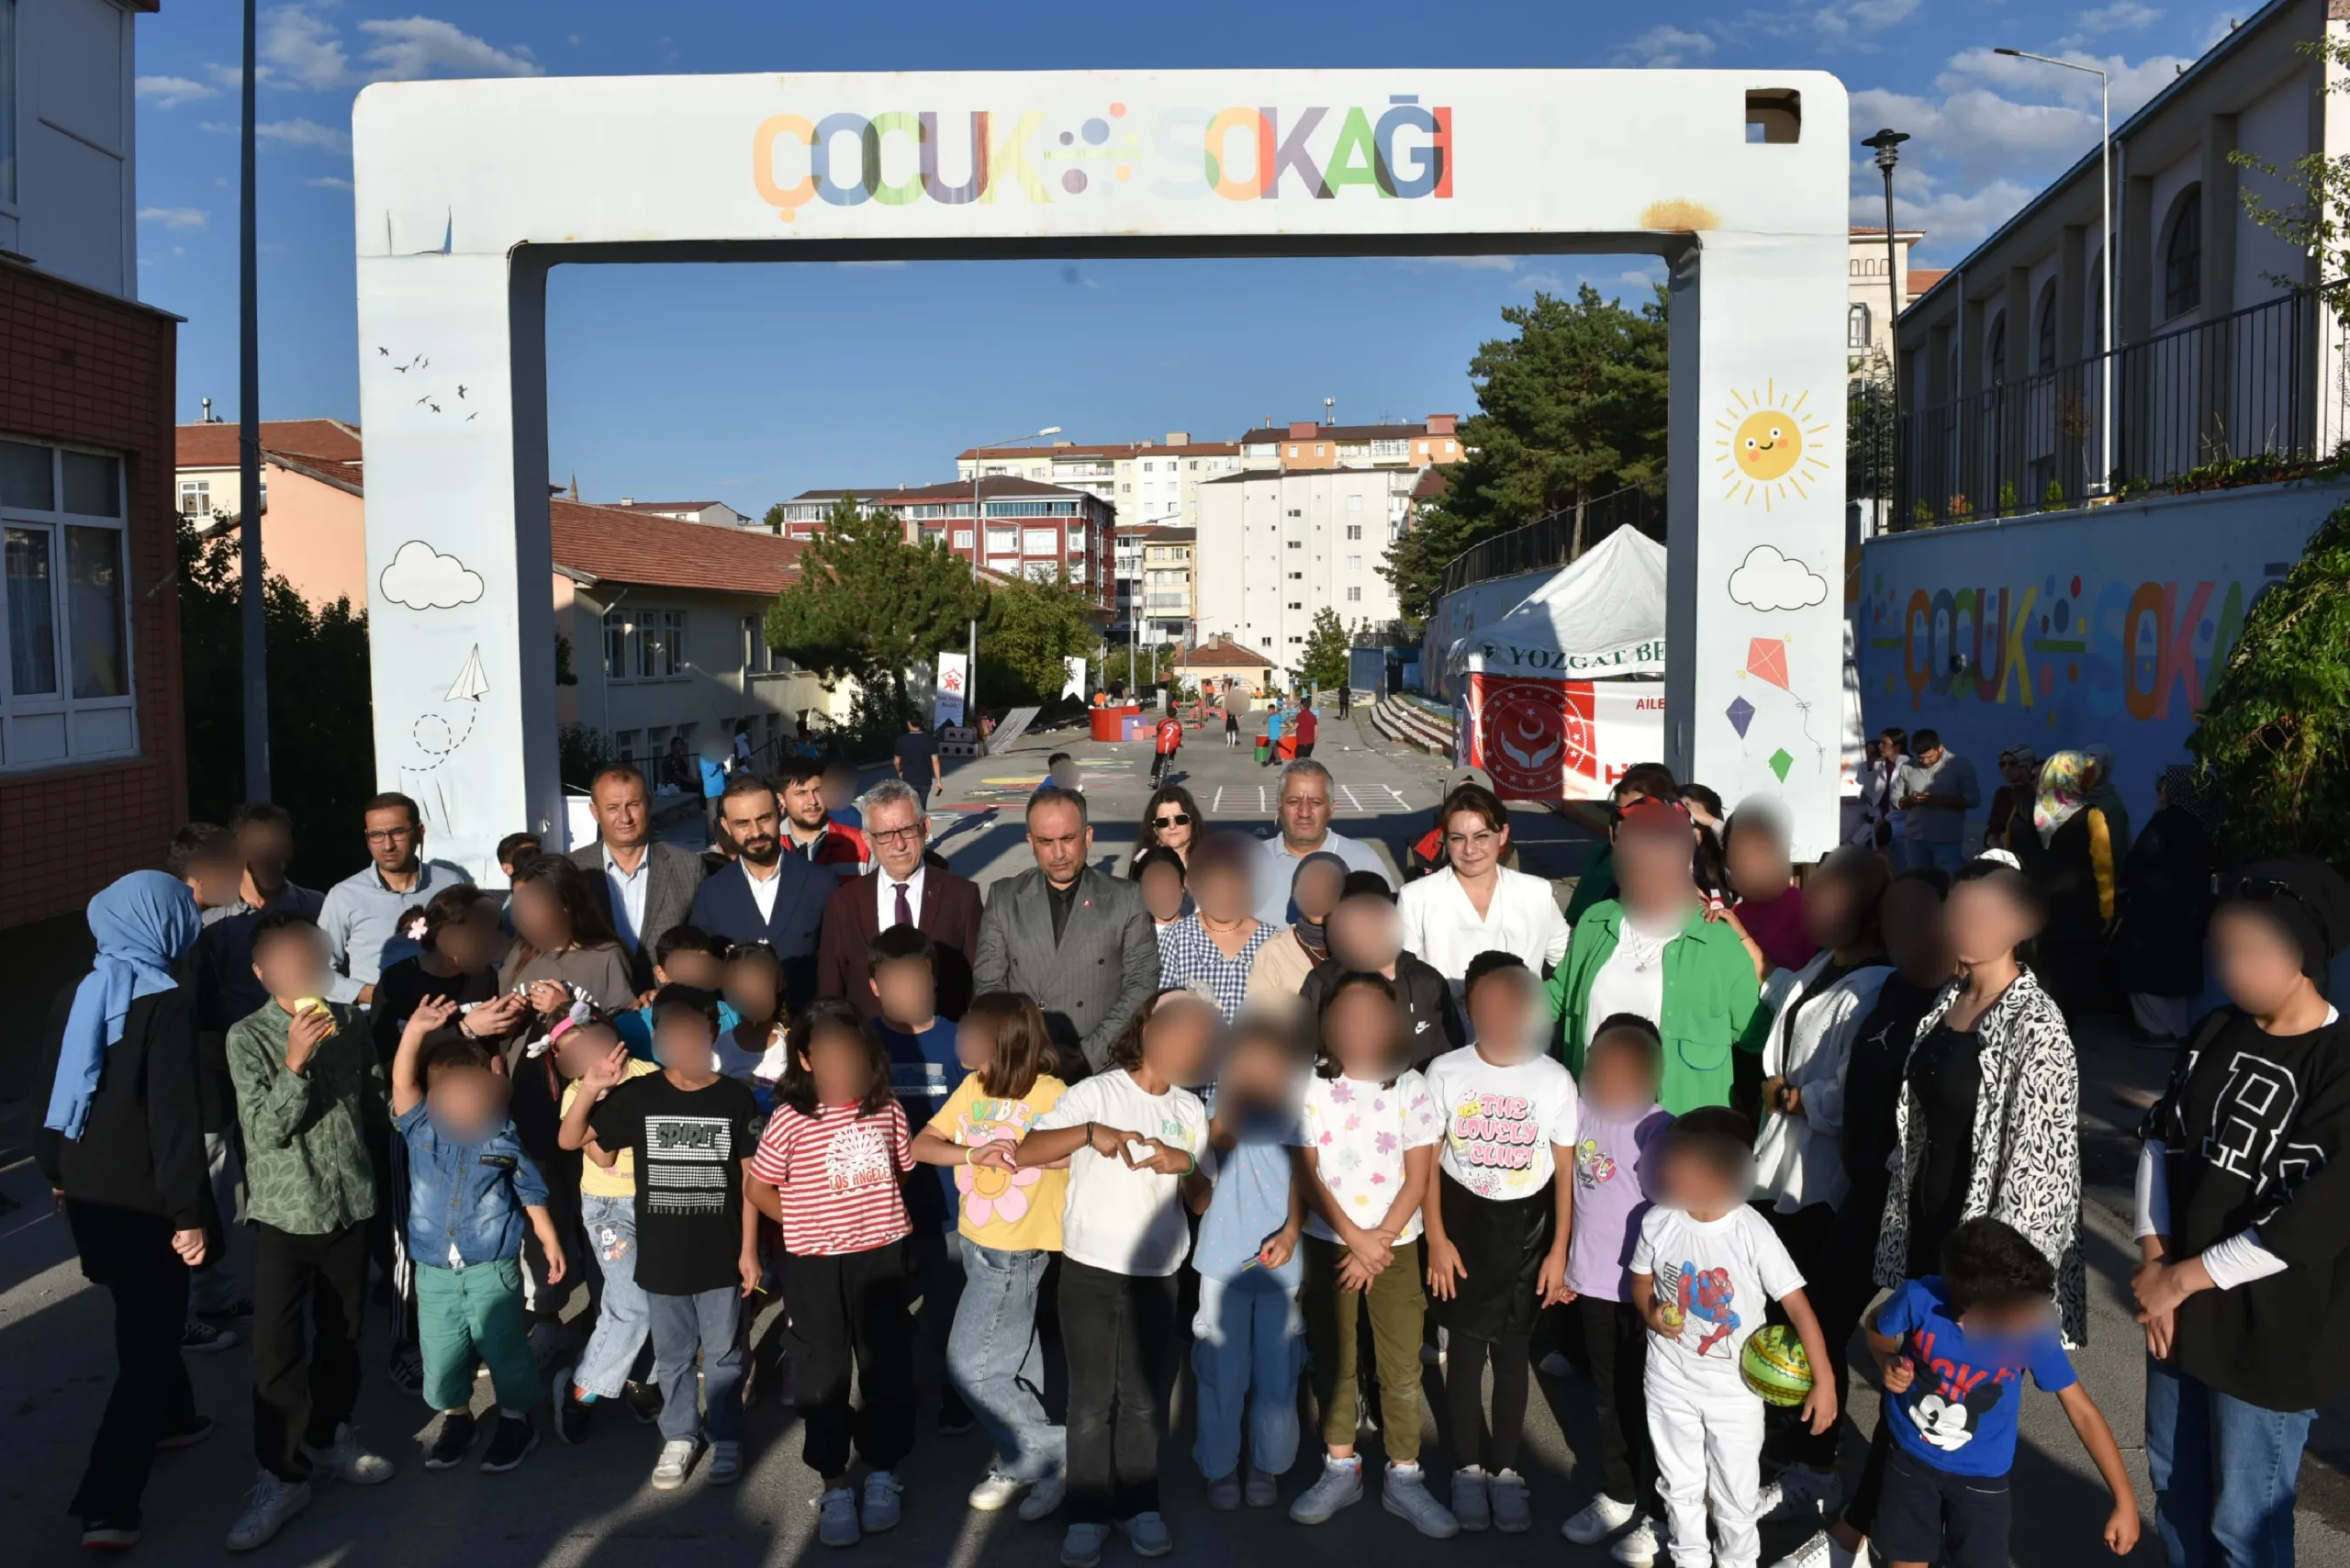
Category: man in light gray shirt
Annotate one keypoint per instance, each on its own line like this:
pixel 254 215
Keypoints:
pixel 1934 789
pixel 362 913
pixel 1304 823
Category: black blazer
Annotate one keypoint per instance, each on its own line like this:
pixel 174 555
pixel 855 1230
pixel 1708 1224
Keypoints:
pixel 724 907
pixel 142 1148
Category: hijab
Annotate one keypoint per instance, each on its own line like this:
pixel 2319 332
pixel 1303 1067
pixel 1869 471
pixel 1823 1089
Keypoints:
pixel 2188 790
pixel 143 923
pixel 1312 935
pixel 2065 780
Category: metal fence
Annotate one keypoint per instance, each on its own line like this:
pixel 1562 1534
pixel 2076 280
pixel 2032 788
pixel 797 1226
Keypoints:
pixel 2264 381
pixel 1560 537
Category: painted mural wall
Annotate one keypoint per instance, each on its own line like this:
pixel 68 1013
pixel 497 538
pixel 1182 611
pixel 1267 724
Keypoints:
pixel 2074 629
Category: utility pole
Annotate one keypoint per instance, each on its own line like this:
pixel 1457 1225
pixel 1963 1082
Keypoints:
pixel 1887 144
pixel 251 609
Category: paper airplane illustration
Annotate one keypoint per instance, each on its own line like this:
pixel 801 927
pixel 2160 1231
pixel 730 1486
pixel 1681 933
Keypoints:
pixel 470 682
pixel 1766 659
pixel 1741 713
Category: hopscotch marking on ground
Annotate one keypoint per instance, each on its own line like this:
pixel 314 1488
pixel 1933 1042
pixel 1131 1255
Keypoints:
pixel 1347 790
pixel 1260 799
pixel 1398 794
pixel 1218 804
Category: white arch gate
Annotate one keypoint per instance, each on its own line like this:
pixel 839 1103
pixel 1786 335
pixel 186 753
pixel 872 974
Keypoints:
pixel 469 192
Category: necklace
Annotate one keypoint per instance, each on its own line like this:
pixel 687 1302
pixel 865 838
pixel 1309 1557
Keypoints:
pixel 1645 950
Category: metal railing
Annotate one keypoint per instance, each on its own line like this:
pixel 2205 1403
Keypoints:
pixel 1560 537
pixel 2265 380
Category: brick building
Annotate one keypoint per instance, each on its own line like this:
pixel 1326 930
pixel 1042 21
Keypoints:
pixel 92 765
pixel 1030 529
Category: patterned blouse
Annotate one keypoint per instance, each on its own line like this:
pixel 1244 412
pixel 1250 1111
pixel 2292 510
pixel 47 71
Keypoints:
pixel 1188 956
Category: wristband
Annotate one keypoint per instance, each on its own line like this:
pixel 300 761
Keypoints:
pixel 1194 1170
pixel 968 1152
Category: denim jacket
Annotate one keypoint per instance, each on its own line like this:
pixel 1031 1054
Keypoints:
pixel 468 1196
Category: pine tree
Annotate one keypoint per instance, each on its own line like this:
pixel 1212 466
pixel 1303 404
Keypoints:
pixel 871 606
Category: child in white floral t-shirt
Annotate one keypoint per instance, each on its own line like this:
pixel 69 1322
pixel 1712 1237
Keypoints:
pixel 1367 1141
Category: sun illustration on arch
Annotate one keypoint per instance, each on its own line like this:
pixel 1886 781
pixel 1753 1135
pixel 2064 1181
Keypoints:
pixel 1768 447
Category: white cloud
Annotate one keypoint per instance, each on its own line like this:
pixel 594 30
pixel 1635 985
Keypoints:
pixel 301 47
pixel 294 133
pixel 1768 580
pixel 302 50
pixel 421 577
pixel 1546 283
pixel 329 183
pixel 2122 15
pixel 1666 45
pixel 171 92
pixel 1473 263
pixel 174 217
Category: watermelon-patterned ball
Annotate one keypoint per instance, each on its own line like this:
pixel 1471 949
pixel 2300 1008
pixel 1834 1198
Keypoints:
pixel 1774 1366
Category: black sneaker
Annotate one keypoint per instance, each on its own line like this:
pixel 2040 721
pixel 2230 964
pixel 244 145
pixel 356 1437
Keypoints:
pixel 241 1307
pixel 198 1428
pixel 110 1532
pixel 408 1369
pixel 451 1443
pixel 571 1412
pixel 644 1402
pixel 509 1445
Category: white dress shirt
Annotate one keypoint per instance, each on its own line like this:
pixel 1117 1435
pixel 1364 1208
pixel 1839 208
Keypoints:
pixel 764 889
pixel 628 894
pixel 1443 927
pixel 1279 869
pixel 885 896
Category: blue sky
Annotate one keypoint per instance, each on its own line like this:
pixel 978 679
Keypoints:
pixel 747 384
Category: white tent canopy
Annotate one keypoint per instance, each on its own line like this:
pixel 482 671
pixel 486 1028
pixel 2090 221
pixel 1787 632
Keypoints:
pixel 1601 617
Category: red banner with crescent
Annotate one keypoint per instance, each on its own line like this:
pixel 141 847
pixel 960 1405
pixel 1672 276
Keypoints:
pixel 1554 740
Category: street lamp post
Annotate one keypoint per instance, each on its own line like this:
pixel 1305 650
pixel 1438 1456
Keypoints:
pixel 1887 143
pixel 253 614
pixel 2103 482
pixel 978 537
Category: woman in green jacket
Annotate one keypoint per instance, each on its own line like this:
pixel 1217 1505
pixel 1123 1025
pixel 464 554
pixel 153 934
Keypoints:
pixel 1649 950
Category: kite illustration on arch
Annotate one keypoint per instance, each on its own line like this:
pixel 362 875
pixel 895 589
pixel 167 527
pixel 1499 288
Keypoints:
pixel 1766 659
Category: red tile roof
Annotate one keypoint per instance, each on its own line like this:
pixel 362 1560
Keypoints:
pixel 991 486
pixel 1222 652
pixel 215 445
pixel 1275 434
pixel 1923 278
pixel 661 506
pixel 1430 485
pixel 1879 228
pixel 614 547
pixel 1104 449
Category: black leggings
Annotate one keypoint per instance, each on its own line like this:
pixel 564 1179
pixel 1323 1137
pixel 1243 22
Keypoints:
pixel 1473 1442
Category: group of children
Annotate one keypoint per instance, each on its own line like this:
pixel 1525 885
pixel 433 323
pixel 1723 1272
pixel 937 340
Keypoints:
pixel 725 1152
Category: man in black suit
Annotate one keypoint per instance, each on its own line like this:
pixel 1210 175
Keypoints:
pixel 904 889
pixel 1078 942
pixel 642 887
pixel 766 896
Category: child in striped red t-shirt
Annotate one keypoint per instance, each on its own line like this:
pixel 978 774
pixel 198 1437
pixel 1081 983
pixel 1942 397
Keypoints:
pixel 827 1170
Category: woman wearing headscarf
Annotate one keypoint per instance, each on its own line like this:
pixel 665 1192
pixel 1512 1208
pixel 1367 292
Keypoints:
pixel 2165 897
pixel 122 1145
pixel 1296 951
pixel 2106 796
pixel 2244 1223
pixel 2072 871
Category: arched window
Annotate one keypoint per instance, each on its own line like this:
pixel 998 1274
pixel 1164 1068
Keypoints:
pixel 2043 351
pixel 2000 349
pixel 2183 255
pixel 1856 328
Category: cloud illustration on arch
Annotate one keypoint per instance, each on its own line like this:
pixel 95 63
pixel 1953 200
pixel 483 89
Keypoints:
pixel 421 577
pixel 1768 580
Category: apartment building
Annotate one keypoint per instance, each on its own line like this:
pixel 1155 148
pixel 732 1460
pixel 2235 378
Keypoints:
pixel 1170 600
pixel 1868 301
pixel 1275 548
pixel 1305 446
pixel 1150 484
pixel 1025 528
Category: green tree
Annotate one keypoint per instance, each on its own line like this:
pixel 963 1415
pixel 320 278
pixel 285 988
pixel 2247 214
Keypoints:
pixel 1030 628
pixel 1323 664
pixel 871 606
pixel 1868 430
pixel 1569 409
pixel 2276 728
pixel 773 518
pixel 2313 218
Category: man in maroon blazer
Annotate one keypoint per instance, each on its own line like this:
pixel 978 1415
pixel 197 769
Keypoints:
pixel 903 888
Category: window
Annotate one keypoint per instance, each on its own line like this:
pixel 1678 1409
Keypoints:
pixel 1039 542
pixel 962 539
pixel 1296 511
pixel 1320 451
pixel 1293 452
pixel 1354 563
pixel 1295 604
pixel 1297 543
pixel 1354 530
pixel 2000 349
pixel 625 741
pixel 1449 446
pixel 1354 596
pixel 66 605
pixel 755 645
pixel 644 644
pixel 1297 576
pixel 1856 326
pixel 2183 255
pixel 1424 449
pixel 1354 503
pixel 2043 339
pixel 195 495
pixel 1391 448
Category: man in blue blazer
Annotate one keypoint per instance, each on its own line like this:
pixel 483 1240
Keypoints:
pixel 766 895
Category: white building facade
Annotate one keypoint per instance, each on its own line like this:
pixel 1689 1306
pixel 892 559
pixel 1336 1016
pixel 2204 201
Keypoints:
pixel 1275 548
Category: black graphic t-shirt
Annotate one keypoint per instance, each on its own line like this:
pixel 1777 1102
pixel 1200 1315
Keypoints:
pixel 690 1148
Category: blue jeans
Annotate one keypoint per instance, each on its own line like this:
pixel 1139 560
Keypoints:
pixel 710 1323
pixel 1916 853
pixel 2225 1473
pixel 996 1363
pixel 623 1318
pixel 1247 1348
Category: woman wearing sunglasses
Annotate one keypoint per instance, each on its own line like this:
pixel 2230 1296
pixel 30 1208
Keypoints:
pixel 1172 821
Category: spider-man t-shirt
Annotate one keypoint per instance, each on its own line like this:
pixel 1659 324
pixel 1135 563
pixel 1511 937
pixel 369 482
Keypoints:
pixel 1959 1412
pixel 1715 1277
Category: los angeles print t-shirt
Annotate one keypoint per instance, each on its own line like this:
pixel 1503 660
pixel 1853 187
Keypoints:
pixel 1359 1132
pixel 689 1146
pixel 1500 1123
pixel 1008 1211
pixel 837 1174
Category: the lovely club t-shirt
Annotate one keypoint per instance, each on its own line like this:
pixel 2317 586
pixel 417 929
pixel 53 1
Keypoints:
pixel 1007 1211
pixel 1359 1131
pixel 1959 1412
pixel 618 1180
pixel 1118 1218
pixel 1500 1123
pixel 1716 1276
pixel 1613 1174
pixel 689 1147
pixel 837 1173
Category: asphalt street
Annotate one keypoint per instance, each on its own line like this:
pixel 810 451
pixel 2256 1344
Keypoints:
pixel 588 1507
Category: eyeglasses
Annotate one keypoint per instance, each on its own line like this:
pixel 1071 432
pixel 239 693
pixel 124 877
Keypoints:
pixel 1181 819
pixel 894 835
pixel 390 835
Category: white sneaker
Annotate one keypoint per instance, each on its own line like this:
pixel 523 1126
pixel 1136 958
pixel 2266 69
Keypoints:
pixel 1148 1535
pixel 1601 1517
pixel 1404 1492
pixel 1044 1498
pixel 344 1460
pixel 836 1518
pixel 1800 1493
pixel 725 1464
pixel 1471 1510
pixel 676 1458
pixel 1822 1550
pixel 1341 1487
pixel 268 1506
pixel 881 1509
pixel 1637 1546
pixel 1081 1548
pixel 1505 1496
pixel 994 1494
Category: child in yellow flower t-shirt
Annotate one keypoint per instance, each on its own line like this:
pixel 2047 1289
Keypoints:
pixel 1009 1217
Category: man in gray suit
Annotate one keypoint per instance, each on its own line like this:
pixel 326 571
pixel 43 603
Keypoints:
pixel 1078 942
pixel 644 886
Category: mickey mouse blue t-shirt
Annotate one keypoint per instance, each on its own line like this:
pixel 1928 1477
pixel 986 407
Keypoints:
pixel 1959 1413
